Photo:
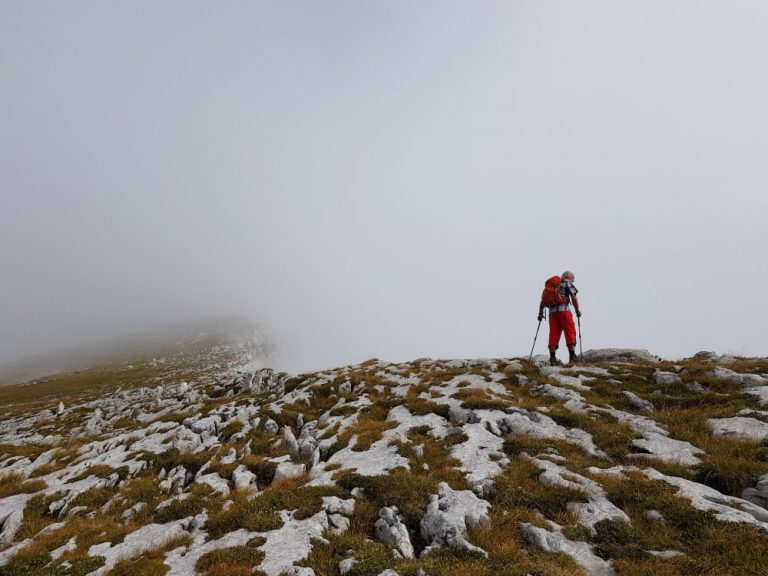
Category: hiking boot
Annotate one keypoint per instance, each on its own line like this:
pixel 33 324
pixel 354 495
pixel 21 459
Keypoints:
pixel 573 359
pixel 552 361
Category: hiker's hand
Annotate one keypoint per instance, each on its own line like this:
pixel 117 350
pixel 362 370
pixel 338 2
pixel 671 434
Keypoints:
pixel 540 317
pixel 578 313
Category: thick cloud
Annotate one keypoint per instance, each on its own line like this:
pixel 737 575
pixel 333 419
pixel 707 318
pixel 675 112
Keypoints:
pixel 390 179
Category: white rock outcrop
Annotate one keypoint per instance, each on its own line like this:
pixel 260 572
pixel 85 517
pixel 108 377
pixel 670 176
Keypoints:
pixel 449 516
pixel 726 508
pixel 391 530
pixel 581 552
pixel 739 427
pixel 619 355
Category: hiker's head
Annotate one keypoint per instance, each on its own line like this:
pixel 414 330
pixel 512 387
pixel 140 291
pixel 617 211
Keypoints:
pixel 568 275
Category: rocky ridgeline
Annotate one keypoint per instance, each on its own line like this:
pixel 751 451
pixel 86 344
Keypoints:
pixel 384 468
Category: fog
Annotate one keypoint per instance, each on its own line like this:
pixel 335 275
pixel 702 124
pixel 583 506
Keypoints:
pixel 385 179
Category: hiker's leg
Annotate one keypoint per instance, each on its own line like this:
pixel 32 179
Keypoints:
pixel 570 335
pixel 555 330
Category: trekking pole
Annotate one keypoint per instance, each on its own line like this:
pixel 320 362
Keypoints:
pixel 534 340
pixel 581 353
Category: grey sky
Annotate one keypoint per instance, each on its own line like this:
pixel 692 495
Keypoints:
pixel 389 179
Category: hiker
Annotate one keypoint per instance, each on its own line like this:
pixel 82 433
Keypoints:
pixel 558 292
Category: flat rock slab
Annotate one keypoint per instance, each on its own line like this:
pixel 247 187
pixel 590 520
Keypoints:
pixel 619 355
pixel 747 380
pixel 739 427
pixel 760 391
pixel 581 552
pixel 726 508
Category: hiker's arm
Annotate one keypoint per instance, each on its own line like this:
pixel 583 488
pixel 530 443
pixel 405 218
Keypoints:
pixel 541 310
pixel 575 300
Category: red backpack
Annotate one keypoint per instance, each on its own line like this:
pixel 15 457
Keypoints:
pixel 551 295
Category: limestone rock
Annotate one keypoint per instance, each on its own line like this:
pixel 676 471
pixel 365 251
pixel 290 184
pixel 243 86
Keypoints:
pixel 654 516
pixel 739 427
pixel 243 478
pixel 581 552
pixel 271 426
pixel 726 508
pixel 589 513
pixel 391 530
pixel 638 402
pixel 300 571
pixel 289 470
pixel 746 380
pixel 449 515
pixel 175 480
pixel 216 482
pixel 619 355
pixel 230 457
pixel 290 442
pixel 759 494
pixel 666 554
pixel 339 513
pixel 10 525
pixel 666 378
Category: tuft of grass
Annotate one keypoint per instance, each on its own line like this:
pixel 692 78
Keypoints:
pixel 261 513
pixel 478 399
pixel 36 515
pixel 150 563
pixel 409 492
pixel 172 457
pixel 42 565
pixel 102 471
pixel 11 484
pixel 519 487
pixel 140 567
pixel 711 546
pixel 94 498
pixel 232 427
pixel 261 467
pixel 420 407
pixel 231 561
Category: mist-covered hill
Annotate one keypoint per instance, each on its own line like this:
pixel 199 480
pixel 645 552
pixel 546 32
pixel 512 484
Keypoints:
pixel 232 334
pixel 202 464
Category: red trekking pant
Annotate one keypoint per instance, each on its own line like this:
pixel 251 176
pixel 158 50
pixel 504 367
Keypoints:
pixel 560 322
